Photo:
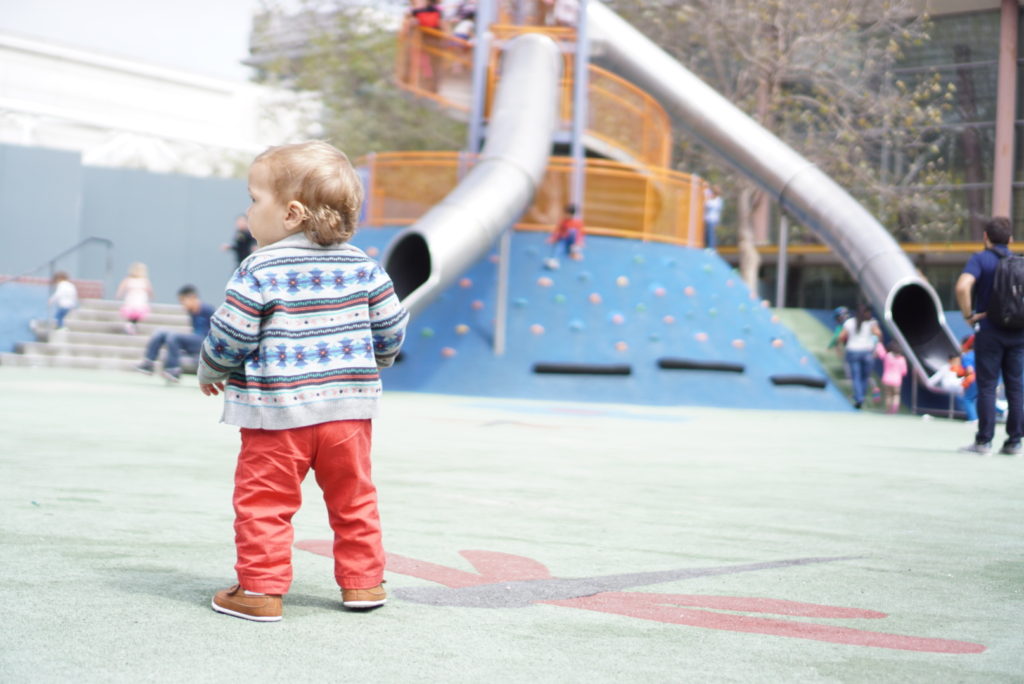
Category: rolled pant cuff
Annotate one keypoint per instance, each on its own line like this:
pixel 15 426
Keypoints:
pixel 264 586
pixel 359 582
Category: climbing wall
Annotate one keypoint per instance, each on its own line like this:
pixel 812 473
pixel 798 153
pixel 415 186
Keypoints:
pixel 621 309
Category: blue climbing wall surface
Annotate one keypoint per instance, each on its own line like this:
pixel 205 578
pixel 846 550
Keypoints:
pixel 627 302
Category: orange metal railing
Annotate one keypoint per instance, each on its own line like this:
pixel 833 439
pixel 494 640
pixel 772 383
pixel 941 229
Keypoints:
pixel 654 204
pixel 437 66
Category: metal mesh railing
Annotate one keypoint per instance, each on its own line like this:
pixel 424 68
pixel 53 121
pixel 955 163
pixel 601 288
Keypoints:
pixel 645 203
pixel 438 66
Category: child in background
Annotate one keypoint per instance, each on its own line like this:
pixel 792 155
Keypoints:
pixel 307 322
pixel 135 291
pixel 946 379
pixel 967 382
pixel 64 297
pixel 569 234
pixel 894 369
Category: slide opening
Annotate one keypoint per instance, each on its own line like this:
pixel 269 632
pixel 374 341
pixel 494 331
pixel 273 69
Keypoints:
pixel 915 315
pixel 409 264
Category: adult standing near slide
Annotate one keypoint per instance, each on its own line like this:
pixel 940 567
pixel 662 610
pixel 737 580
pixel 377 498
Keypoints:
pixel 996 349
pixel 859 336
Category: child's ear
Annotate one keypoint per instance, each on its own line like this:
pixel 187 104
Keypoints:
pixel 295 214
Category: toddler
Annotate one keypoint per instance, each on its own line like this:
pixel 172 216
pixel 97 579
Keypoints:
pixel 307 322
pixel 64 297
pixel 569 235
pixel 135 291
pixel 894 369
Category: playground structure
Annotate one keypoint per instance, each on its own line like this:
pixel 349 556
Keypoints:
pixel 629 126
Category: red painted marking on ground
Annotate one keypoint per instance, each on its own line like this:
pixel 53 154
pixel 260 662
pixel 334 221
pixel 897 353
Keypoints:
pixel 759 605
pixel 505 567
pixel 449 577
pixel 320 547
pixel 637 606
pixel 677 609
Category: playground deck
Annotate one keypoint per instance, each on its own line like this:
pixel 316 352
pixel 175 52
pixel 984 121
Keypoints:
pixel 529 541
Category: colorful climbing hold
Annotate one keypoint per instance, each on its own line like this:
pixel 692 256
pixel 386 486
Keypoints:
pixel 537 329
pixel 689 291
pixel 447 352
pixel 777 343
pixel 594 298
pixel 465 283
pixel 576 325
pixel 427 332
pixel 461 329
pixel 738 343
pixel 701 336
pixel 658 290
pixel 640 307
pixel 477 305
pixel 372 252
pixel 544 281
pixel 621 346
pixel 558 298
pixel 668 319
pixel 622 281
pixel 617 318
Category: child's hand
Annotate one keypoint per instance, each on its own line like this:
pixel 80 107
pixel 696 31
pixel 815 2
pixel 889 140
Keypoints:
pixel 210 389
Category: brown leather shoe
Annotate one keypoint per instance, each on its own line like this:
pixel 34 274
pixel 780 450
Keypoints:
pixel 233 601
pixel 362 599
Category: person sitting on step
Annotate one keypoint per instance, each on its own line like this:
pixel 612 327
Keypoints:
pixel 179 343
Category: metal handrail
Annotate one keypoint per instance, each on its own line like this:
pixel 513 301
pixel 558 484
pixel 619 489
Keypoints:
pixel 51 263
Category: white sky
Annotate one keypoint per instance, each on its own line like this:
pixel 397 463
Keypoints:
pixel 209 37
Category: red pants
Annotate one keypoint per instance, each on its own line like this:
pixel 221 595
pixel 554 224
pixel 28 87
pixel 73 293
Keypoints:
pixel 271 467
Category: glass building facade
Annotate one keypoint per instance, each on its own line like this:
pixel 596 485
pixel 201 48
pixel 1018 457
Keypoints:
pixel 963 49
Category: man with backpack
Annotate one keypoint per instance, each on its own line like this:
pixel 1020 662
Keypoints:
pixel 989 293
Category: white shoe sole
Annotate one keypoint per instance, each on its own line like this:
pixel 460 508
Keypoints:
pixel 364 604
pixel 244 616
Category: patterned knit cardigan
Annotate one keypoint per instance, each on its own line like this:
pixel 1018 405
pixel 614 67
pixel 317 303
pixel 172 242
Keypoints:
pixel 301 335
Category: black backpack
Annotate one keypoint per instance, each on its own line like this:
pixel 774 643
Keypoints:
pixel 1006 305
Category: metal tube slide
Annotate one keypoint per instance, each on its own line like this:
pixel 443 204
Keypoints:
pixel 427 257
pixel 911 309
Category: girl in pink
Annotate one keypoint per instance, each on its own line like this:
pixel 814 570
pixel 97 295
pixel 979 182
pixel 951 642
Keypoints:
pixel 135 290
pixel 894 369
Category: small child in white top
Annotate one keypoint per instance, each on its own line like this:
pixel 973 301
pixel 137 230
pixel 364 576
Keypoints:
pixel 135 291
pixel 64 297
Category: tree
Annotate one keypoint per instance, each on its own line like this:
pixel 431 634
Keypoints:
pixel 820 75
pixel 344 52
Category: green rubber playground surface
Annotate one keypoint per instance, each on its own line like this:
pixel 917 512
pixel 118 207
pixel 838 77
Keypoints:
pixel 528 541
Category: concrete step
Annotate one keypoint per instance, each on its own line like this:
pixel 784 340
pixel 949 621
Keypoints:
pixel 107 339
pixel 89 362
pixel 158 319
pixel 117 327
pixel 115 305
pixel 45 361
pixel 87 350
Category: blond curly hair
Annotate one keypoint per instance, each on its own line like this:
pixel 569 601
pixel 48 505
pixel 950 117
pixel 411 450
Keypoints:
pixel 320 177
